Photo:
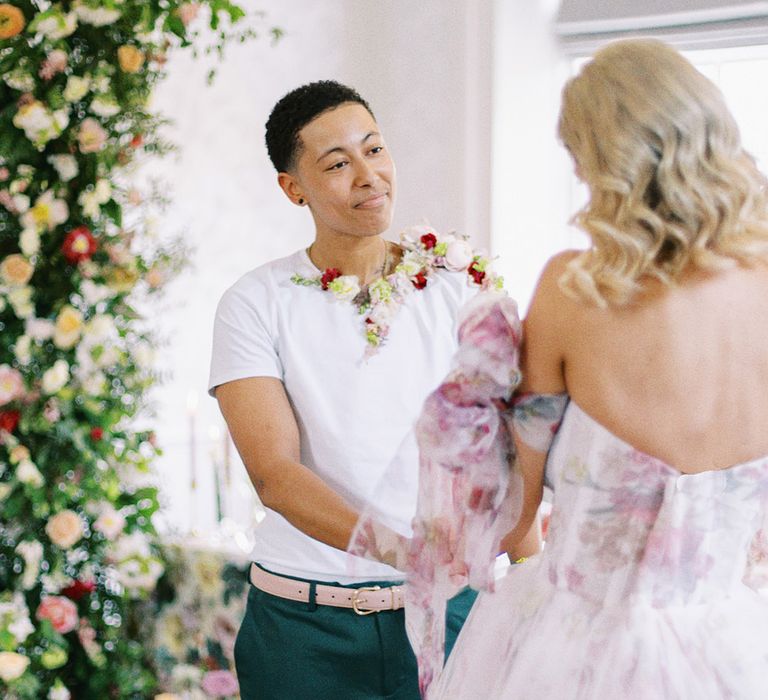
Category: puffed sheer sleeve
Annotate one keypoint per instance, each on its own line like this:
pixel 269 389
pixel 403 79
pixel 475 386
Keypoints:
pixel 469 494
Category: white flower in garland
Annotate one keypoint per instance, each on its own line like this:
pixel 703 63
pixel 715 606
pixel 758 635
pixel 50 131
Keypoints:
pixel 55 378
pixel 59 691
pixel 28 473
pixel 12 665
pixel 20 299
pixel 39 123
pixel 110 523
pixel 20 79
pixel 54 24
pixel 22 349
pixel 65 165
pixel 423 253
pixel 345 287
pixel 40 329
pixel 29 241
pixel 105 106
pixel 93 293
pixel 14 617
pixel 91 200
pixel 32 553
pixel 69 328
pixel 47 213
pixel 136 568
pixel 76 88
pixel 91 13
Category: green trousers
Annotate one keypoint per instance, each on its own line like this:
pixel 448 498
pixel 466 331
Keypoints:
pixel 287 650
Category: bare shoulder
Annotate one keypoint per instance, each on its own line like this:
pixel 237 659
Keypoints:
pixel 549 298
pixel 547 329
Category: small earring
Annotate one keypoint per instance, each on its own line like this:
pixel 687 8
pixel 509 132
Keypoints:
pixel 301 200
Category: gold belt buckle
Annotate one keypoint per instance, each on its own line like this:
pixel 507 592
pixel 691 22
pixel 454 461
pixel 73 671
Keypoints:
pixel 356 599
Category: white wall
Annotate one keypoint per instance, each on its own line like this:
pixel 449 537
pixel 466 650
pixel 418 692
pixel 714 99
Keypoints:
pixel 530 169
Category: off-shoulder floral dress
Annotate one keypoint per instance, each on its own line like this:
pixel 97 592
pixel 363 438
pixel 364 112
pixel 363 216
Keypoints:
pixel 647 586
pixel 643 591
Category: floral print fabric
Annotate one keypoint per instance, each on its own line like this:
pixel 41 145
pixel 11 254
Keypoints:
pixel 468 496
pixel 643 589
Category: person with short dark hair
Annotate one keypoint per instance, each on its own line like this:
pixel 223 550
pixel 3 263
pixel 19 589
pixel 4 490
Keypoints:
pixel 321 361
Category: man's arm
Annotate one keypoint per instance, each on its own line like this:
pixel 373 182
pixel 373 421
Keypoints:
pixel 264 429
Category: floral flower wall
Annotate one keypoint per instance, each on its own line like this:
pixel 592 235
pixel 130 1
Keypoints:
pixel 77 262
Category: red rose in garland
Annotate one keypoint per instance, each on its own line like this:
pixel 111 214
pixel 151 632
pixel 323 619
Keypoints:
pixel 429 240
pixel 97 433
pixel 79 245
pixel 475 273
pixel 9 420
pixel 420 280
pixel 328 276
pixel 78 589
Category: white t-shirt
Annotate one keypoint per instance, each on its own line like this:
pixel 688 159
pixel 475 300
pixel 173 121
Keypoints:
pixel 355 415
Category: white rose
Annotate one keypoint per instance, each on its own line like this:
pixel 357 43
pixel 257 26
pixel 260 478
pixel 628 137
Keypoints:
pixel 96 16
pixel 12 665
pixel 56 25
pixel 94 293
pixel 32 553
pixel 56 377
pixel 459 255
pixel 29 241
pixel 59 692
pixel 345 288
pixel 21 202
pixel 21 301
pixel 21 628
pixel 39 328
pixel 104 106
pixel 61 118
pixel 5 490
pixel 108 357
pixel 94 384
pixel 100 327
pixel 28 473
pixel 65 165
pixel 383 314
pixel 411 263
pixel 19 79
pixel 143 355
pixel 76 88
pixel 22 349
pixel 110 523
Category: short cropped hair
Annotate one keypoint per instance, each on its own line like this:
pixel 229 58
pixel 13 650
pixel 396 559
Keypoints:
pixel 671 187
pixel 295 110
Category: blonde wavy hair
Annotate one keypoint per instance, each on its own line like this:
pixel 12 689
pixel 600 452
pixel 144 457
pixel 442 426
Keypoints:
pixel 671 188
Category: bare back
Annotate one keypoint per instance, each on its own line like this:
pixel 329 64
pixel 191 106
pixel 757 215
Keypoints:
pixel 681 375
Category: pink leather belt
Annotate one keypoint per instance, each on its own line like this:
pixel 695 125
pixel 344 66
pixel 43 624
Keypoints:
pixel 364 600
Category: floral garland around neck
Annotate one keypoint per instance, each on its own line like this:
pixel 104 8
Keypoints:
pixel 424 251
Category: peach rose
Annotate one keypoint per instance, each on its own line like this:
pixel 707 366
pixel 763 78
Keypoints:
pixel 91 136
pixel 16 270
pixel 11 384
pixel 65 528
pixel 130 58
pixel 12 665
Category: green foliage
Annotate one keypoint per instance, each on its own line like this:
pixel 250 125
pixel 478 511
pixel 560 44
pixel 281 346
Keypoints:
pixel 77 263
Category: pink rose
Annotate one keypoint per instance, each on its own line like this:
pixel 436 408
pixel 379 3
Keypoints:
pixel 187 12
pixel 11 384
pixel 61 612
pixel 91 136
pixel 219 684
